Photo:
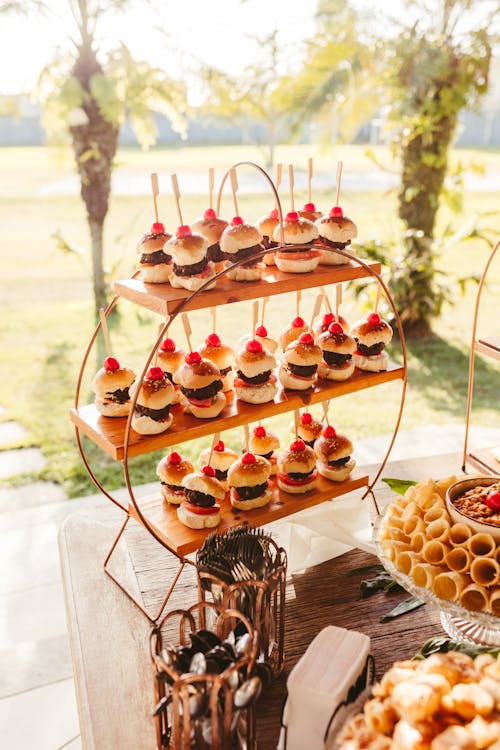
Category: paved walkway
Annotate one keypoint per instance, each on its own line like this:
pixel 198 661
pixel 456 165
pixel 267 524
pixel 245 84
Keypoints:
pixel 37 701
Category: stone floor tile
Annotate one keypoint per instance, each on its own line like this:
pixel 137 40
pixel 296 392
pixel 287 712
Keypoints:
pixel 33 664
pixel 12 433
pixel 30 495
pixel 45 718
pixel 29 557
pixel 21 461
pixel 36 613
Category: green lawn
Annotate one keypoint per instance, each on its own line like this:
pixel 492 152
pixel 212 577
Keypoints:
pixel 46 304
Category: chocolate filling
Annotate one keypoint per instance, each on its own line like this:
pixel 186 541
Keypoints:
pixel 263 377
pixel 267 455
pixel 299 474
pixel 226 370
pixel 268 243
pixel 245 252
pixel 337 245
pixel 159 415
pixel 310 443
pixel 173 487
pixel 215 253
pixel 199 498
pixel 192 269
pixel 332 358
pixel 201 393
pixel 170 376
pixel 370 351
pixel 303 371
pixel 340 462
pixel 120 396
pixel 221 475
pixel 292 249
pixel 250 493
pixel 155 258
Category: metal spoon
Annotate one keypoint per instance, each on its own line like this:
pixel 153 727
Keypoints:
pixel 247 693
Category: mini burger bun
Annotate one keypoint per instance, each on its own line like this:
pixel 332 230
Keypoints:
pixel 151 243
pixel 256 502
pixel 197 375
pixel 107 381
pixel 112 408
pixel 301 354
pixel 239 237
pixel 147 426
pixel 220 460
pixel 210 229
pixel 262 445
pixel 173 473
pixel 296 232
pixel 246 274
pixel 207 412
pixel 297 489
pixel 368 334
pixel 333 474
pixel 256 394
pixel 157 399
pixel 290 334
pixel 297 462
pixel 287 263
pixel 375 363
pixel 336 228
pixel 200 482
pixel 249 475
pixel 288 380
pixel 332 258
pixel 253 363
pixel 158 273
pixel 222 356
pixel 170 361
pixel 307 432
pixel 174 498
pixel 266 226
pixel 193 283
pixel 268 259
pixel 187 250
pixel 310 215
pixel 333 448
pixel 330 372
pixel 337 343
pixel 197 521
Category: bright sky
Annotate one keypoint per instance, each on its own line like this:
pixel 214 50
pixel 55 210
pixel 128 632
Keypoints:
pixel 217 31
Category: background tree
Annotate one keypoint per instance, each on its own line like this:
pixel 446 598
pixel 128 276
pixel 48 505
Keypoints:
pixel 87 96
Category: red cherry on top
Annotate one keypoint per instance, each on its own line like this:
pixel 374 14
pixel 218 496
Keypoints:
pixel 336 328
pixel 155 373
pixel 306 418
pixel 261 331
pixel 298 323
pixel 209 214
pixel 374 319
pixel 298 445
pixel 248 458
pixel 329 431
pixel 306 338
pixel 111 364
pixel 213 340
pixel 328 319
pixel 174 459
pixel 292 217
pixel 309 207
pixel 158 228
pixel 336 211
pixel 253 346
pixel 237 220
pixel 219 447
pixel 183 231
pixel 209 471
pixel 259 431
pixel 493 500
pixel 167 345
pixel 193 358
pixel 273 214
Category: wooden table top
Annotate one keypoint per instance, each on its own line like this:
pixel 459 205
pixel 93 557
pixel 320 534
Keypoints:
pixel 110 637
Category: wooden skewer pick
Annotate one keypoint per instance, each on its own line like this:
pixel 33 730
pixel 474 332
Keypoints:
pixel 327 301
pixel 279 175
pixel 105 332
pixel 215 440
pixel 338 300
pixel 255 316
pixel 213 312
pixel 291 186
pixel 265 300
pixel 156 191
pixel 309 179
pixel 377 298
pixel 298 297
pixel 317 308
pixel 210 186
pixel 177 196
pixel 296 419
pixel 246 431
pixel 234 187
pixel 339 177
pixel 325 406
pixel 187 330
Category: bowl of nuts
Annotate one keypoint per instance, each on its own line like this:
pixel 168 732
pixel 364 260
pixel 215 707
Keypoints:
pixel 475 501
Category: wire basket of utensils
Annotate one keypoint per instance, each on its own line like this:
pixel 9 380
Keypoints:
pixel 244 569
pixel 205 685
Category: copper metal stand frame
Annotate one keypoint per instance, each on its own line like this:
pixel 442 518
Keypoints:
pixel 178 310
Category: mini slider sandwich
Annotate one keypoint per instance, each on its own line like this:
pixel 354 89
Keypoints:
pixel 200 509
pixel 191 267
pixel 154 400
pixel 239 241
pixel 300 363
pixel 111 385
pixel 220 459
pixel 248 479
pixel 222 356
pixel 154 263
pixel 308 429
pixel 171 470
pixel 169 357
pixel 335 232
pixel 266 226
pixel 265 443
pixel 371 334
pixel 297 231
pixel 211 227
pixel 201 386
pixel 255 382
pixel 338 348
pixel 297 469
pixel 334 455
pixel 292 332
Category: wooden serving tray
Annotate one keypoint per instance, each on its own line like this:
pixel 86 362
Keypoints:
pixel 109 432
pixel 164 299
pixel 182 540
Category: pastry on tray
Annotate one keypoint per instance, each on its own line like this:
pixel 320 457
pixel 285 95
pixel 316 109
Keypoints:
pixel 372 334
pixel 300 363
pixel 201 385
pixel 111 384
pixel 239 241
pixel 334 454
pixel 297 232
pixel 220 459
pixel 308 428
pixel 156 396
pixel 265 443
pixel 200 510
pixel 211 227
pixel 335 232
pixel 255 381
pixel 191 269
pixel 171 470
pixel 297 471
pixel 155 263
pixel 248 482
pixel 338 348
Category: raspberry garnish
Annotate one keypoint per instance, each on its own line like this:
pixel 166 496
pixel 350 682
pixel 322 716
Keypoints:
pixel 111 364
pixel 253 346
pixel 237 220
pixel 306 418
pixel 219 447
pixel 374 319
pixel 193 358
pixel 158 228
pixel 183 231
pixel 336 212
pixel 292 217
pixel 167 345
pixel 298 445
pixel 213 340
pixel 309 207
pixel 209 214
pixel 248 458
pixel 174 459
pixel 329 432
pixel 259 431
pixel 306 338
pixel 155 373
pixel 209 471
pixel 261 331
pixel 336 328
pixel 298 322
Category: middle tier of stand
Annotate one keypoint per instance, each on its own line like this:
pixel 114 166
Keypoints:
pixel 109 432
pixel 182 540
pixel 164 299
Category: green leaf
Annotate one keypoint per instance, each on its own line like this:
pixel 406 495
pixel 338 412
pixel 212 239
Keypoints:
pixel 407 605
pixel 442 645
pixel 380 582
pixel 399 485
